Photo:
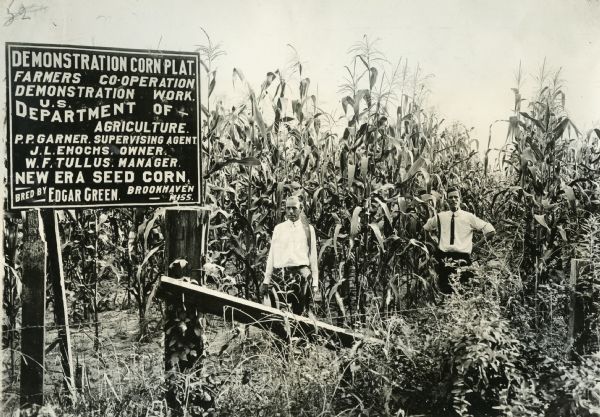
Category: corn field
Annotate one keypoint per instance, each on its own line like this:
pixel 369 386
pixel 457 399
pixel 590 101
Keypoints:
pixel 370 174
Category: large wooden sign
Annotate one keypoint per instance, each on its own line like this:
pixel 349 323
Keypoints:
pixel 98 127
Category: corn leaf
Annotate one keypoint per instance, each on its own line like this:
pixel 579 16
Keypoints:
pixel 146 259
pixel 355 223
pixel 569 193
pixel 325 245
pixel 416 166
pixel 267 83
pixel 150 225
pixel 364 166
pixel 363 61
pixel 528 155
pixel 248 161
pixel 257 115
pixel 402 204
pixel 344 160
pixel 378 235
pixel 513 126
pixel 304 87
pixel 560 128
pixel 238 73
pixel 351 171
pixel 419 245
pixel 347 101
pixel 385 209
pixel 361 94
pixel 336 234
pixel 211 85
pixel 572 125
pixel 425 174
pixel 340 303
pixel 101 220
pixel 316 194
pixel 383 188
pixel 534 120
pixel 372 77
pixel 204 110
pixel 541 219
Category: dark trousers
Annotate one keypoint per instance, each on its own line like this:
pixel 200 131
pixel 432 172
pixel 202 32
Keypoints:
pixel 291 290
pixel 446 265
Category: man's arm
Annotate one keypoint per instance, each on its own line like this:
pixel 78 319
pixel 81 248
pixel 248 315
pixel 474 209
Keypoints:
pixel 486 228
pixel 269 267
pixel 264 287
pixel 314 259
pixel 483 226
pixel 432 226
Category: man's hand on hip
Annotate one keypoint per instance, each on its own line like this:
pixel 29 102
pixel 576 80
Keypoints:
pixel 316 294
pixel 305 272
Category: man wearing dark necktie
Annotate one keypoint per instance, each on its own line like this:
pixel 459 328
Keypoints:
pixel 454 238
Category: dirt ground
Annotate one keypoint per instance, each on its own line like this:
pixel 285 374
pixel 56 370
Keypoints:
pixel 120 361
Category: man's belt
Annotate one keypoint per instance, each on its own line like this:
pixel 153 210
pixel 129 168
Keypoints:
pixel 450 252
pixel 294 268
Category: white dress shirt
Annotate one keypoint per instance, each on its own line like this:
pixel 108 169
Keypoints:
pixel 289 247
pixel 464 224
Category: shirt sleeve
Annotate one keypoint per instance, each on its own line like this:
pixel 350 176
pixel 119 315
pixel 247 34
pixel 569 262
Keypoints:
pixel 269 267
pixel 314 258
pixel 481 225
pixel 431 224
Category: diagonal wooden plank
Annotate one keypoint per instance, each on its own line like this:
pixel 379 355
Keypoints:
pixel 249 312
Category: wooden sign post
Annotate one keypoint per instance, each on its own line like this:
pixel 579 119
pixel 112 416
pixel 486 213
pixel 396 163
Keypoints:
pixel 33 300
pixel 57 280
pixel 183 256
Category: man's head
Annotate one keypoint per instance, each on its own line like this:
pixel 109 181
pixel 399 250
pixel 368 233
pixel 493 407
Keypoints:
pixel 453 198
pixel 293 207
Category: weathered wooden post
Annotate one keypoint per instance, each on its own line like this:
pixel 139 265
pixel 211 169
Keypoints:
pixel 57 280
pixel 33 300
pixel 11 311
pixel 184 342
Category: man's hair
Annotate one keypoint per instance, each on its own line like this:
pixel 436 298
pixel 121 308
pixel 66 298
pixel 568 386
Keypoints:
pixel 293 198
pixel 452 189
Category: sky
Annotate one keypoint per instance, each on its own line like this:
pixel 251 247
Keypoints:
pixel 471 49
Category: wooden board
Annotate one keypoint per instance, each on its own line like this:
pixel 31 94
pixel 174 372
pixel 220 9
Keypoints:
pixel 245 311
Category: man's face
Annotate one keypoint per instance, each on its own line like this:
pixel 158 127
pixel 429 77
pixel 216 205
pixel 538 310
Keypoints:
pixel 454 200
pixel 292 210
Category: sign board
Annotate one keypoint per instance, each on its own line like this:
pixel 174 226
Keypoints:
pixel 99 127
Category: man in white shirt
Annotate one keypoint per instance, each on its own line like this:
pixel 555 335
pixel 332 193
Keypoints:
pixel 454 239
pixel 292 262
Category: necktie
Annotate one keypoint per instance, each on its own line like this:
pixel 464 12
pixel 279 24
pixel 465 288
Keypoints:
pixel 452 230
